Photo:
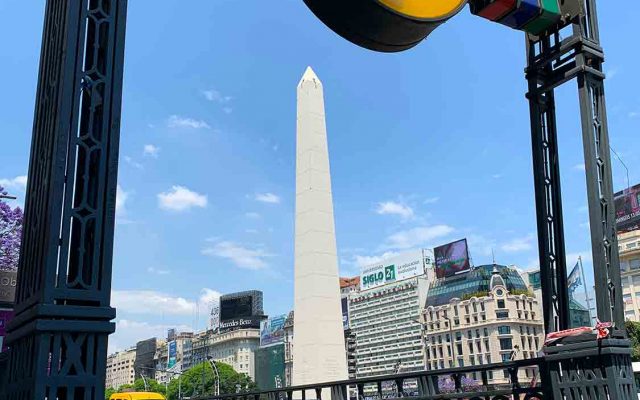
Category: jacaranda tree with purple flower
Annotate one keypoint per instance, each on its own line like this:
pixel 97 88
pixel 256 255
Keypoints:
pixel 10 234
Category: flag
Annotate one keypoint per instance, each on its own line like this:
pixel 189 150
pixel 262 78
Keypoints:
pixel 574 280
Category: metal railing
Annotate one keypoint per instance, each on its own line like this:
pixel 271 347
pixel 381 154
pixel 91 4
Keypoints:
pixel 449 383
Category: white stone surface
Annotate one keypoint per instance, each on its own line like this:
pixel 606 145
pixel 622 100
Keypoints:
pixel 319 352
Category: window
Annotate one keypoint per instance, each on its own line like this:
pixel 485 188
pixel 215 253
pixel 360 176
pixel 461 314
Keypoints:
pixel 440 351
pixel 484 317
pixel 475 308
pixel 477 333
pixel 506 357
pixel 502 314
pixel 482 306
pixel 490 374
pixel 458 335
pixel 475 319
pixel 469 335
pixel 504 330
pixel 470 347
pixel 486 345
pixel 467 320
pixel 472 360
pixel 528 331
pixel 449 351
pixel 442 364
pixel 489 360
pixel 466 309
pixel 459 348
pixel 501 304
pixel 448 338
pixel 634 263
pixel 460 362
pixel 439 339
pixel 479 347
pixel 506 344
pixel 455 310
pixel 486 332
pixel 535 330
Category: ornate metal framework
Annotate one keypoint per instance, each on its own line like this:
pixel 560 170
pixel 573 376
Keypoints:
pixel 59 336
pixel 552 62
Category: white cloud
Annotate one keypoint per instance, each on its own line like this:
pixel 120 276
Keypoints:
pixel 634 114
pixel 517 245
pixel 121 201
pixel 158 271
pixel 496 176
pixel 252 215
pixel 579 167
pixel 251 230
pixel 19 182
pixel 431 200
pixel 151 150
pixel 572 258
pixel 268 198
pixel 179 198
pixel 611 73
pixel 176 121
pixel 416 237
pixel 209 296
pixel 241 256
pixel 133 163
pixel 216 96
pixel 151 302
pixel 227 110
pixel 394 208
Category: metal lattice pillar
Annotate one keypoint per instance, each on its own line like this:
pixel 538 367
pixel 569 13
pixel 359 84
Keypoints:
pixel 546 175
pixel 58 338
pixel 595 138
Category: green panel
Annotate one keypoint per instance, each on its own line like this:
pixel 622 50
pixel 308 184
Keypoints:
pixel 549 17
pixel 269 366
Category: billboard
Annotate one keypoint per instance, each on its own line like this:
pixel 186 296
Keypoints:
pixel 452 258
pixel 8 281
pixel 628 209
pixel 173 354
pixel 345 313
pixel 272 330
pixel 269 367
pixel 404 266
pixel 5 317
pixel 240 323
pixel 241 305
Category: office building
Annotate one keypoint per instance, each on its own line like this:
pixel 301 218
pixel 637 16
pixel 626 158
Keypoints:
pixel 629 250
pixel 386 328
pixel 120 368
pixel 484 316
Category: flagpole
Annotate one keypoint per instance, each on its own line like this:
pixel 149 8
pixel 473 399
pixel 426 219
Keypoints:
pixel 584 284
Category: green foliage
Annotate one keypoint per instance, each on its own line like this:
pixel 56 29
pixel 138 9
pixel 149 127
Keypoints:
pixel 467 296
pixel 518 292
pixel 108 392
pixel 191 381
pixel 138 386
pixel 633 330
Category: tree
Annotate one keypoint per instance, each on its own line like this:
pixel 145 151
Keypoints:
pixel 633 331
pixel 191 381
pixel 138 386
pixel 109 392
pixel 10 235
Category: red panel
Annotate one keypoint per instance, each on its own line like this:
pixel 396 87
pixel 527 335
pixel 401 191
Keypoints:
pixel 498 9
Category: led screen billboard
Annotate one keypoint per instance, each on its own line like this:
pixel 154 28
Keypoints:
pixel 236 308
pixel 345 313
pixel 173 353
pixel 452 258
pixel 628 209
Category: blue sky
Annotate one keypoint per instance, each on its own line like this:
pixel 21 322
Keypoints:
pixel 425 146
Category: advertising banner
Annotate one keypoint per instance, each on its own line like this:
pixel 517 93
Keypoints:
pixel 404 266
pixel 345 313
pixel 240 323
pixel 8 282
pixel 628 209
pixel 272 330
pixel 452 258
pixel 173 354
pixel 5 317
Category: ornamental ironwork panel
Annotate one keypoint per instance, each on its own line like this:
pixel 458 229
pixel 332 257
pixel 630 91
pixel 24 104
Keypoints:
pixel 58 337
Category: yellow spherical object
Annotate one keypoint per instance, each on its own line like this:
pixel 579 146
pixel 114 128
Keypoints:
pixel 433 10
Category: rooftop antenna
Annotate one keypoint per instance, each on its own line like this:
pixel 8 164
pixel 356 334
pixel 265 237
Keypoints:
pixel 493 255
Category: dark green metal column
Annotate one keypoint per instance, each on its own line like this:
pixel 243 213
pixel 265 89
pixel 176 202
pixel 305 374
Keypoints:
pixel 58 338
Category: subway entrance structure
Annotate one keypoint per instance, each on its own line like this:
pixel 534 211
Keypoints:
pixel 63 317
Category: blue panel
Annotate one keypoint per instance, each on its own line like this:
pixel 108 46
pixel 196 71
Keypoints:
pixel 526 11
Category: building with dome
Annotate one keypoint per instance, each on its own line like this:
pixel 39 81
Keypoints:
pixel 484 316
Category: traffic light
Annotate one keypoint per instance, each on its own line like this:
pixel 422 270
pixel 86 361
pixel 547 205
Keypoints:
pixel 384 25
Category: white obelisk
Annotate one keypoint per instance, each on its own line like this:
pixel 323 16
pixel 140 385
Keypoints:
pixel 318 349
